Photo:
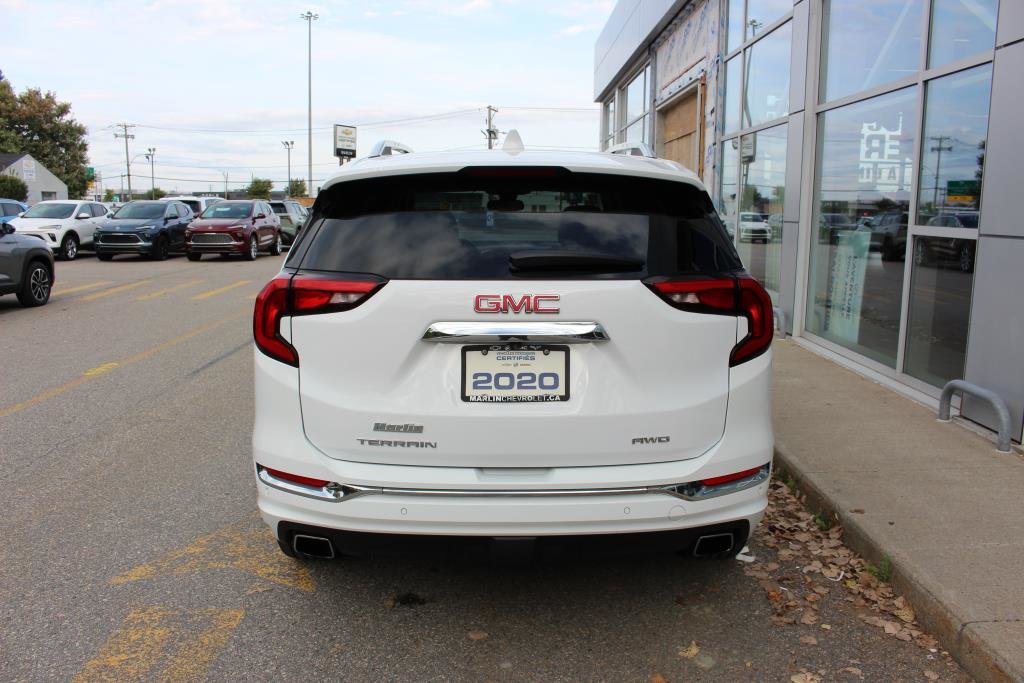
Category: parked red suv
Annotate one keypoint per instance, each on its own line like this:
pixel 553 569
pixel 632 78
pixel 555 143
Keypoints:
pixel 234 227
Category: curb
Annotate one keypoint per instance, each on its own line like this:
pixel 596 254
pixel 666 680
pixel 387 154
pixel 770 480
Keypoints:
pixel 970 650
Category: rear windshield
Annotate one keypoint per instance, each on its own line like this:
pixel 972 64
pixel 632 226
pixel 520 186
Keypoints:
pixel 192 204
pixel 279 208
pixel 495 224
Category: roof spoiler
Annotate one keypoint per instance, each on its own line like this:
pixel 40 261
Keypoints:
pixel 632 149
pixel 387 148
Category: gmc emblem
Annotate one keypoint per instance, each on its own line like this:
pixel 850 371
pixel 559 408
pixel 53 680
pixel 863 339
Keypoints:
pixel 506 303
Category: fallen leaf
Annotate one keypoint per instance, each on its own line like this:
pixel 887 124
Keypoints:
pixel 891 628
pixel 852 670
pixel 857 511
pixel 658 678
pixel 690 651
pixel 808 640
pixel 809 617
pixel 477 635
pixel 826 627
pixel 805 677
pixel 931 675
pixel 905 614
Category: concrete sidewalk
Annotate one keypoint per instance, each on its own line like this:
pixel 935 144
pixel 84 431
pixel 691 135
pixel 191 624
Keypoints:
pixel 934 498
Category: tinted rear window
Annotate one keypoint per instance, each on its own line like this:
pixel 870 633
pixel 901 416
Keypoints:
pixel 467 225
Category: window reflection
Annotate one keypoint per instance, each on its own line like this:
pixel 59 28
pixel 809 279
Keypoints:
pixel 961 28
pixel 636 96
pixel 735 31
pixel 729 194
pixel 863 181
pixel 953 148
pixel 763 189
pixel 732 94
pixel 767 79
pixel 940 307
pixel 762 13
pixel 870 43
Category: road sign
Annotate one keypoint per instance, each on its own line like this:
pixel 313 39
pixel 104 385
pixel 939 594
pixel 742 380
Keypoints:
pixel 344 141
pixel 968 188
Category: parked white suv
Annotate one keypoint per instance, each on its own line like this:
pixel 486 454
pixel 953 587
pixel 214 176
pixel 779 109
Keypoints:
pixel 499 344
pixel 197 204
pixel 65 225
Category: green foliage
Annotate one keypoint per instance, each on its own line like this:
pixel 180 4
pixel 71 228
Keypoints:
pixel 13 187
pixel 823 523
pixel 155 193
pixel 259 188
pixel 297 188
pixel 882 571
pixel 40 125
pixel 108 195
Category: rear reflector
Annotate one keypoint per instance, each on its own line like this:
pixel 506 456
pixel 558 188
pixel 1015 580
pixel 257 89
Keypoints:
pixel 726 478
pixel 298 478
pixel 739 296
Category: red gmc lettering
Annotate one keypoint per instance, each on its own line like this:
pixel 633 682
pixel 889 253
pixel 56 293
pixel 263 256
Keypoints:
pixel 495 303
pixel 508 303
pixel 487 303
pixel 538 303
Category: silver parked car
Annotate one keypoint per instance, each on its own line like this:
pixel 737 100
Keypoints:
pixel 26 267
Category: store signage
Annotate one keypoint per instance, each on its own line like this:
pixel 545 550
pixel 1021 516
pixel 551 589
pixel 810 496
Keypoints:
pixel 28 170
pixel 881 163
pixel 344 141
pixel 846 285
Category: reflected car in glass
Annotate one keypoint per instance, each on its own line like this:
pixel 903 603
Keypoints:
pixel 754 227
pixel 888 234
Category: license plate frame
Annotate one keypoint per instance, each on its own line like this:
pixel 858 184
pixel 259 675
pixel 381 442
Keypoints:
pixel 514 349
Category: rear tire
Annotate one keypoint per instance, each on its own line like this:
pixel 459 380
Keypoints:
pixel 275 248
pixel 69 247
pixel 254 249
pixel 35 289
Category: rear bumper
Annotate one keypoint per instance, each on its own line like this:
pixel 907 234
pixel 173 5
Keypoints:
pixel 466 501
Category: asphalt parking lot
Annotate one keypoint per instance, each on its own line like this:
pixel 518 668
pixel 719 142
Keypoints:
pixel 133 550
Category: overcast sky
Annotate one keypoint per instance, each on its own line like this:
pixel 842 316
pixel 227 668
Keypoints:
pixel 190 73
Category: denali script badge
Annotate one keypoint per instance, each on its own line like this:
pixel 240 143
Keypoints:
pixel 406 428
pixel 506 303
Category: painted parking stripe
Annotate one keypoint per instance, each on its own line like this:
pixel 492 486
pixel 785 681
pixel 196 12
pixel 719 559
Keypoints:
pixel 59 291
pixel 115 290
pixel 220 290
pixel 168 290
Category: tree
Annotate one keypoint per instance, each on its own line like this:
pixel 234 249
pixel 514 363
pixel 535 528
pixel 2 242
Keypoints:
pixel 259 188
pixel 108 195
pixel 296 188
pixel 13 187
pixel 42 126
pixel 155 193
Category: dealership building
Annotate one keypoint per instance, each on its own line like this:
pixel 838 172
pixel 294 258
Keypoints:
pixel 865 155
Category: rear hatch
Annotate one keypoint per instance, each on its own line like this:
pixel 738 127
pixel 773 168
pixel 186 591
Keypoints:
pixel 514 318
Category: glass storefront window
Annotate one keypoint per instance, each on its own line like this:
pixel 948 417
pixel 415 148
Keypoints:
pixel 734 36
pixel 609 117
pixel 762 191
pixel 636 96
pixel 761 13
pixel 766 91
pixel 635 133
pixel 940 306
pixel 732 94
pixel 867 44
pixel 953 147
pixel 864 176
pixel 961 28
pixel 729 193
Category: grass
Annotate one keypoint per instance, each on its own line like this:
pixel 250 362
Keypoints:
pixel 823 523
pixel 882 571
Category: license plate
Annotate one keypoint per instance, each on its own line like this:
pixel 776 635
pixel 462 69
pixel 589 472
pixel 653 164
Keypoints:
pixel 515 374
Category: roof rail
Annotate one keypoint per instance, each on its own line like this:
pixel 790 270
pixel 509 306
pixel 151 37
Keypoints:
pixel 632 149
pixel 386 148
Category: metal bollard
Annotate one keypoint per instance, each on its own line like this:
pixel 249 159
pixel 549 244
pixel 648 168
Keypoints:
pixel 994 399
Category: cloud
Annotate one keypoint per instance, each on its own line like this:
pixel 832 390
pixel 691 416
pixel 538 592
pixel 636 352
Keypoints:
pixel 452 8
pixel 577 29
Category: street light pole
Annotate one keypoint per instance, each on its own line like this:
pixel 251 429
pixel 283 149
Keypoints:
pixel 288 145
pixel 150 156
pixel 310 18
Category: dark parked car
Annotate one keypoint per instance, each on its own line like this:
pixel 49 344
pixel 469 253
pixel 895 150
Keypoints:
pixel 153 228
pixel 929 250
pixel 293 217
pixel 888 234
pixel 243 227
pixel 11 209
pixel 26 267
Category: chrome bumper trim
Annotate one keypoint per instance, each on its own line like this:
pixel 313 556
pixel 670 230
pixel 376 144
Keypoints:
pixel 529 332
pixel 692 491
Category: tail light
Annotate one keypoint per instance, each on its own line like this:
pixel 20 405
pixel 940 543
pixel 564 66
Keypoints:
pixel 726 478
pixel 738 296
pixel 286 295
pixel 298 478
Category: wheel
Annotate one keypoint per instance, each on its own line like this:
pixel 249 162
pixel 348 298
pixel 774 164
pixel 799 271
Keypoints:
pixel 254 249
pixel 193 257
pixel 35 290
pixel 161 249
pixel 69 247
pixel 105 257
pixel 966 258
pixel 887 254
pixel 275 248
pixel 287 549
pixel 921 255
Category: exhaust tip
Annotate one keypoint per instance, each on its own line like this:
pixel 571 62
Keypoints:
pixel 316 547
pixel 713 544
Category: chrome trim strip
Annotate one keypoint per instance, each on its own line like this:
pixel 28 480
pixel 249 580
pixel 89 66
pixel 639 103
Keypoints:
pixel 693 491
pixel 531 332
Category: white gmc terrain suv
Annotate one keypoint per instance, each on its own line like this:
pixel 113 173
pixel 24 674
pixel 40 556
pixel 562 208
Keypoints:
pixel 512 344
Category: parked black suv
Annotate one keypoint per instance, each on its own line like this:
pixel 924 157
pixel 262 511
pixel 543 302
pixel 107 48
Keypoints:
pixel 153 228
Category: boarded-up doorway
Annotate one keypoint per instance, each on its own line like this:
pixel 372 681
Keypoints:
pixel 679 131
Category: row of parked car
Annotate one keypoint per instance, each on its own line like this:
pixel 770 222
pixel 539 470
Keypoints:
pixel 195 226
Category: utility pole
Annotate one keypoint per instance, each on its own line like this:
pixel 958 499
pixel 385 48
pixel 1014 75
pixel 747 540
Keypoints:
pixel 225 174
pixel 310 18
pixel 491 133
pixel 940 148
pixel 128 164
pixel 150 156
pixel 289 145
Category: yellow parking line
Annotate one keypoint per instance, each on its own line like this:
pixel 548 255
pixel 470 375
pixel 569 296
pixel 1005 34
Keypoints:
pixel 100 370
pixel 220 290
pixel 115 290
pixel 168 290
pixel 99 283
